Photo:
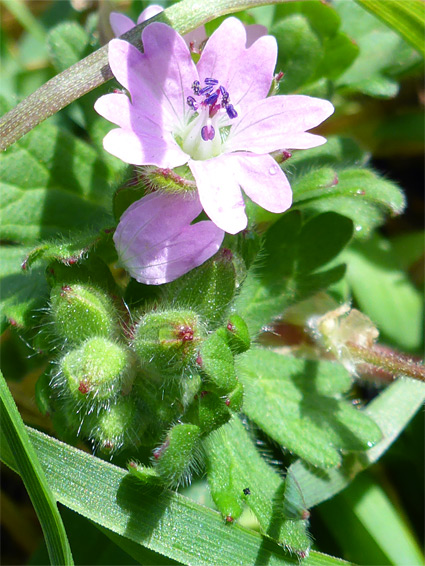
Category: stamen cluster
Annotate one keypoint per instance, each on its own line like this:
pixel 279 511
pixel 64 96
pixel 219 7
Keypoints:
pixel 216 97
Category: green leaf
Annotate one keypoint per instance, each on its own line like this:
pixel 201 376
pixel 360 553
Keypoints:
pixel 310 44
pixel 29 468
pixel 406 18
pixel 160 520
pixel 299 51
pixel 233 464
pixel 385 292
pixel 358 194
pixel 391 411
pixel 380 49
pixel 21 293
pixel 299 404
pixel 52 183
pixel 67 43
pixel 282 275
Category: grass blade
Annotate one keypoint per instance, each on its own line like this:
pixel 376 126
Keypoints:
pixel 160 520
pixel 15 438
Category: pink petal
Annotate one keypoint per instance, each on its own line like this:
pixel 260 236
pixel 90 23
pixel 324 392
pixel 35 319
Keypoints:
pixel 253 74
pixel 160 79
pixel 118 109
pixel 155 241
pixel 245 73
pixel 254 32
pixel 120 23
pixel 262 180
pixel 149 12
pixel 219 193
pixel 279 122
pixel 222 52
pixel 140 149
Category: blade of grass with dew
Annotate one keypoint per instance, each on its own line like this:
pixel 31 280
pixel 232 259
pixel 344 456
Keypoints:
pixel 158 519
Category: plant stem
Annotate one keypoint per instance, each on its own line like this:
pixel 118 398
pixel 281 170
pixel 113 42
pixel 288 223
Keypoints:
pixel 388 361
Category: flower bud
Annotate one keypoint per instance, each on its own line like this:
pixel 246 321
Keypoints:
pixel 80 311
pixel 167 341
pixel 174 459
pixel 118 426
pixel 94 373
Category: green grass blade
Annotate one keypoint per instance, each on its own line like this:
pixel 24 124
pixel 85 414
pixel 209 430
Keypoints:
pixel 160 520
pixel 377 527
pixel 15 437
pixel 406 18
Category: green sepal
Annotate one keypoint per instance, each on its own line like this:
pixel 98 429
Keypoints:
pixel 237 334
pixel 208 289
pixel 208 411
pixel 217 363
pixel 174 459
pixel 81 311
pixel 146 474
pixel 166 342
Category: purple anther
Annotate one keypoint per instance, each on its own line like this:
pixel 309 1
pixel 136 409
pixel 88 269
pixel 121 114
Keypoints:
pixel 212 99
pixel 206 89
pixel 211 81
pixel 195 87
pixel 224 95
pixel 231 112
pixel 207 133
pixel 192 102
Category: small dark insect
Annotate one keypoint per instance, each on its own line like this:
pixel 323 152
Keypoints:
pixel 247 491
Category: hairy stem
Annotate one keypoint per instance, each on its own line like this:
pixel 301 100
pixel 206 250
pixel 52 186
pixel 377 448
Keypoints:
pixel 91 72
pixel 388 361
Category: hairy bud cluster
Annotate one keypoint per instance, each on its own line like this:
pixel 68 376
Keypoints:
pixel 158 382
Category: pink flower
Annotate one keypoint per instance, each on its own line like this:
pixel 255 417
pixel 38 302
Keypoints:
pixel 156 242
pixel 215 117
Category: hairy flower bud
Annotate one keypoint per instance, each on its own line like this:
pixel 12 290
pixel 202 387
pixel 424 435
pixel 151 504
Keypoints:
pixel 94 373
pixel 167 341
pixel 174 459
pixel 80 311
pixel 118 426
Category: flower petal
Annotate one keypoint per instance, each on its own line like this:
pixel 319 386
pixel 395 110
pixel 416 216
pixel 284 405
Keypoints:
pixel 149 13
pixel 279 122
pixel 160 79
pixel 254 32
pixel 219 193
pixel 155 241
pixel 120 23
pixel 140 149
pixel 222 52
pixel 246 73
pixel 118 109
pixel 262 180
pixel 253 74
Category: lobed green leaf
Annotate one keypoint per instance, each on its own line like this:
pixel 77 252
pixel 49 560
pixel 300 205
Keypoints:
pixel 292 401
